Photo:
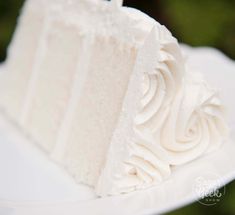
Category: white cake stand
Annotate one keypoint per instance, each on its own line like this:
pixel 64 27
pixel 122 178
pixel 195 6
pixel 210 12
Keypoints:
pixel 29 184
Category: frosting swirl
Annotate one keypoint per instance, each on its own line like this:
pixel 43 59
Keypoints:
pixel 147 161
pixel 161 83
pixel 196 121
pixel 146 166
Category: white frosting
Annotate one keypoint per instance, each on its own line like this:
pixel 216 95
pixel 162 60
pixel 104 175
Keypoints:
pixel 196 122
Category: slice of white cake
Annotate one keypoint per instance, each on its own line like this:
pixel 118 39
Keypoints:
pixel 94 85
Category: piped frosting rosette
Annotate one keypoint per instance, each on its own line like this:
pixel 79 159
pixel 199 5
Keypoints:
pixel 146 165
pixel 196 121
pixel 161 82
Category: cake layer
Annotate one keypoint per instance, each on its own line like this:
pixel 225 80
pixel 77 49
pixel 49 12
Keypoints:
pixel 98 107
pixel 21 57
pixel 51 83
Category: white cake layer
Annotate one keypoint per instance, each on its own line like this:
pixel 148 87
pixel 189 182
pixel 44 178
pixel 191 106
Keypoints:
pixel 51 83
pixel 21 55
pixel 98 107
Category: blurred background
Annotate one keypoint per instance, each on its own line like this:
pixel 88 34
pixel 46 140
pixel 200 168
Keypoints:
pixel 195 22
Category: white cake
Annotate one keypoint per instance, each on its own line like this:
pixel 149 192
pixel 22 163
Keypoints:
pixel 105 91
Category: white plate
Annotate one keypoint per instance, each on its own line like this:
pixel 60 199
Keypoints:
pixel 29 184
